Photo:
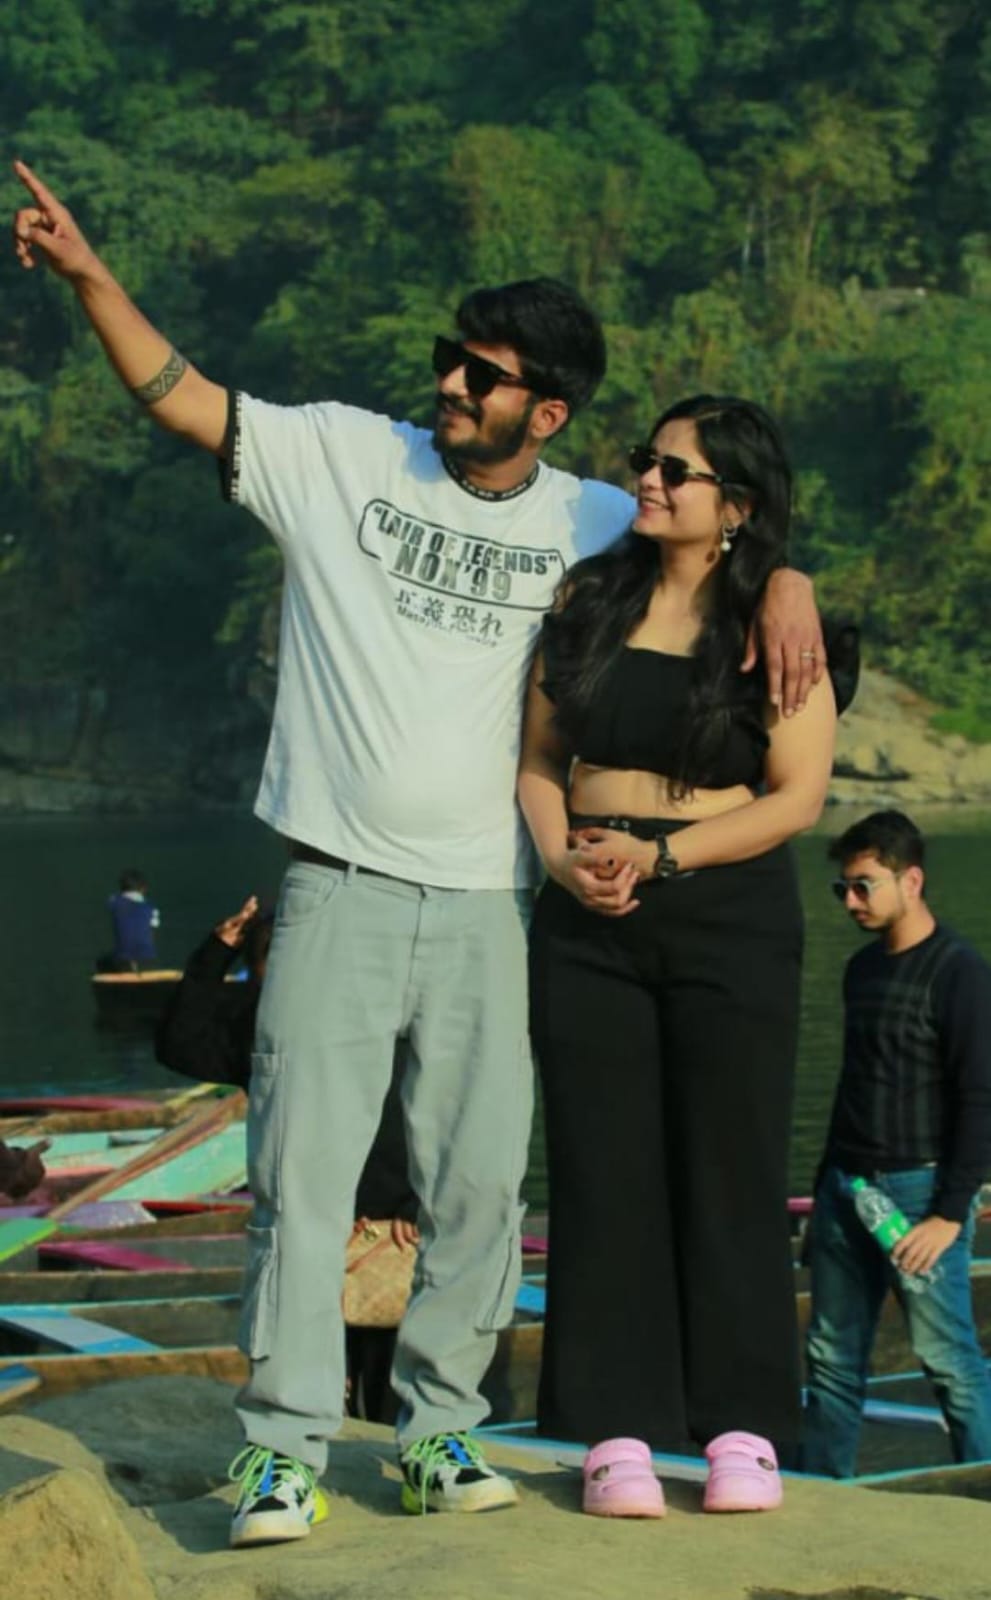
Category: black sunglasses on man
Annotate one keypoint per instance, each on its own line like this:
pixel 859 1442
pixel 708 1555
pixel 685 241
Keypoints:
pixel 481 376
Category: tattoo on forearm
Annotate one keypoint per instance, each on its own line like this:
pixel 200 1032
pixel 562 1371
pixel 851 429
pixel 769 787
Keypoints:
pixel 163 382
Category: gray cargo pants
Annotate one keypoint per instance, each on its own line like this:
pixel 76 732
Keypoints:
pixel 358 959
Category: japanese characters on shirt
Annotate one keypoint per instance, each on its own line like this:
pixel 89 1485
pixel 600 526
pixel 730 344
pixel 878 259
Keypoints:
pixel 455 582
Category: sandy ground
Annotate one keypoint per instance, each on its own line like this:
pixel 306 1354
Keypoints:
pixel 150 1457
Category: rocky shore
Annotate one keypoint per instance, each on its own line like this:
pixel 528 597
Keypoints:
pixel 889 753
pixel 70 750
pixel 120 1493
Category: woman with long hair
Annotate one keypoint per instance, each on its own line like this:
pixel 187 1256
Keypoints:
pixel 661 787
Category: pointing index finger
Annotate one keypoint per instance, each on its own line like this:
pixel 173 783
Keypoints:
pixel 40 191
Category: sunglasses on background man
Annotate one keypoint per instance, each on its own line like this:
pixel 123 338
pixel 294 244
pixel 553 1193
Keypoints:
pixel 860 888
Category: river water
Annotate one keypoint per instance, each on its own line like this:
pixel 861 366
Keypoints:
pixel 57 873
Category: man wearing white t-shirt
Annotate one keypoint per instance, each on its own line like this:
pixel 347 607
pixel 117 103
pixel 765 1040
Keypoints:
pixel 417 568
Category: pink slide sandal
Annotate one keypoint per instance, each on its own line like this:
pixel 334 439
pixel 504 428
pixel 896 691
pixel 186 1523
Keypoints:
pixel 620 1481
pixel 743 1474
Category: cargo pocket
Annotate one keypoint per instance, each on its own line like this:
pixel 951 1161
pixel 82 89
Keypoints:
pixel 497 1309
pixel 259 1303
pixel 265 1128
pixel 306 889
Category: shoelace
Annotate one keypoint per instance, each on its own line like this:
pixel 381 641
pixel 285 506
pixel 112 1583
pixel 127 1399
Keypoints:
pixel 435 1451
pixel 251 1464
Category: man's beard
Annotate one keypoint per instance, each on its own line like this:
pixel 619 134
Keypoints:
pixel 505 440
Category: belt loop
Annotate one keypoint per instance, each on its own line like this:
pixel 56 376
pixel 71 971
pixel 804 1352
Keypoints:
pixel 351 872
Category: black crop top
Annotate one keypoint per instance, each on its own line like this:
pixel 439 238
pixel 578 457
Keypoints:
pixel 637 720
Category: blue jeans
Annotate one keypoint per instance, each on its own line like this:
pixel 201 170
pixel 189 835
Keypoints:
pixel 851 1275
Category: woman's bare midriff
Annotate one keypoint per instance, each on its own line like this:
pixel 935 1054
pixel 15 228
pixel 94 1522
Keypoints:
pixel 611 791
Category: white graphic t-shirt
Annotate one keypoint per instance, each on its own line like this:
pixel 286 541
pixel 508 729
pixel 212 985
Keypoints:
pixel 410 611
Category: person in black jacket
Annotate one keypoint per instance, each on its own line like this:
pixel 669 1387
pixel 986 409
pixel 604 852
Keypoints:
pixel 206 1032
pixel 208 1025
pixel 912 1117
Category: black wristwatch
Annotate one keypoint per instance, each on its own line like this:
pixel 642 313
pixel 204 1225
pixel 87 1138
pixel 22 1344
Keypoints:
pixel 665 866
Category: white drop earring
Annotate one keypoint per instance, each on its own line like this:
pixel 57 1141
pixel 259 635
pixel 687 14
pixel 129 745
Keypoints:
pixel 729 534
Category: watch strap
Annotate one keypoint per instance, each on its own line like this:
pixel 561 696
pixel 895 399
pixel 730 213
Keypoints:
pixel 665 866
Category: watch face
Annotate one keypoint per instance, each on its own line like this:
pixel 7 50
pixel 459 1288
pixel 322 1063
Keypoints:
pixel 666 866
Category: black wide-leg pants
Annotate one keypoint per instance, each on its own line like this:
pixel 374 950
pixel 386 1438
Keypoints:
pixel 666 1044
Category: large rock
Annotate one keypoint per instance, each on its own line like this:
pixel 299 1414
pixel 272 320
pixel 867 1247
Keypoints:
pixel 889 754
pixel 830 1541
pixel 62 1540
pixel 68 749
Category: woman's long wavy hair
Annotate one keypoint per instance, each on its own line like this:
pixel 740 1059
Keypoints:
pixel 604 597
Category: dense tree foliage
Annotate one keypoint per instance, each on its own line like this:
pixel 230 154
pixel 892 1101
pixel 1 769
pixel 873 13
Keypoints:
pixel 786 198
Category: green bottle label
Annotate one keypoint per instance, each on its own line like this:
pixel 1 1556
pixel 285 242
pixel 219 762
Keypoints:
pixel 892 1229
pixel 889 1228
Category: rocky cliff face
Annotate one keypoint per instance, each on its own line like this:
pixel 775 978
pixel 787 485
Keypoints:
pixel 66 748
pixel 888 753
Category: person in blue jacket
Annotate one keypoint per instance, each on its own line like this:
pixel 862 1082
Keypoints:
pixel 134 921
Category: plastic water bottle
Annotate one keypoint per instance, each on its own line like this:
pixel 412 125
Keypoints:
pixel 882 1218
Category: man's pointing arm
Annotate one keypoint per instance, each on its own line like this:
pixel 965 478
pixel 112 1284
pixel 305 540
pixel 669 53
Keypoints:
pixel 178 397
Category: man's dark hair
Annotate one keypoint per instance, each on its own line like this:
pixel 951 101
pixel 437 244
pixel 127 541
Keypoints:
pixel 557 337
pixel 889 835
pixel 131 879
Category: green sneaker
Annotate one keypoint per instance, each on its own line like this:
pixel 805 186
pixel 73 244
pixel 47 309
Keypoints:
pixel 279 1498
pixel 447 1472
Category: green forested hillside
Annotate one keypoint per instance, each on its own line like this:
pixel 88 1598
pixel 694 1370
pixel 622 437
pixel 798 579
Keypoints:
pixel 788 198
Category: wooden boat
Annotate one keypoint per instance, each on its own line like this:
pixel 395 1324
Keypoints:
pixel 25 1275
pixel 75 1270
pixel 16 1382
pixel 180 1318
pixel 39 1116
pixel 163 1297
pixel 74 1156
pixel 18 1234
pixel 227 1214
pixel 203 1251
pixel 132 997
pixel 64 1374
pixel 97 1327
pixel 216 1165
pixel 80 1343
pixel 41 1105
pixel 105 1287
pixel 204 1153
pixel 71 1271
pixel 127 998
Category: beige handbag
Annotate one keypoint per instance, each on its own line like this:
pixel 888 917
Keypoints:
pixel 377 1277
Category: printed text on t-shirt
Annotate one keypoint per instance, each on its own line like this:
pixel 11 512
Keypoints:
pixel 462 565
